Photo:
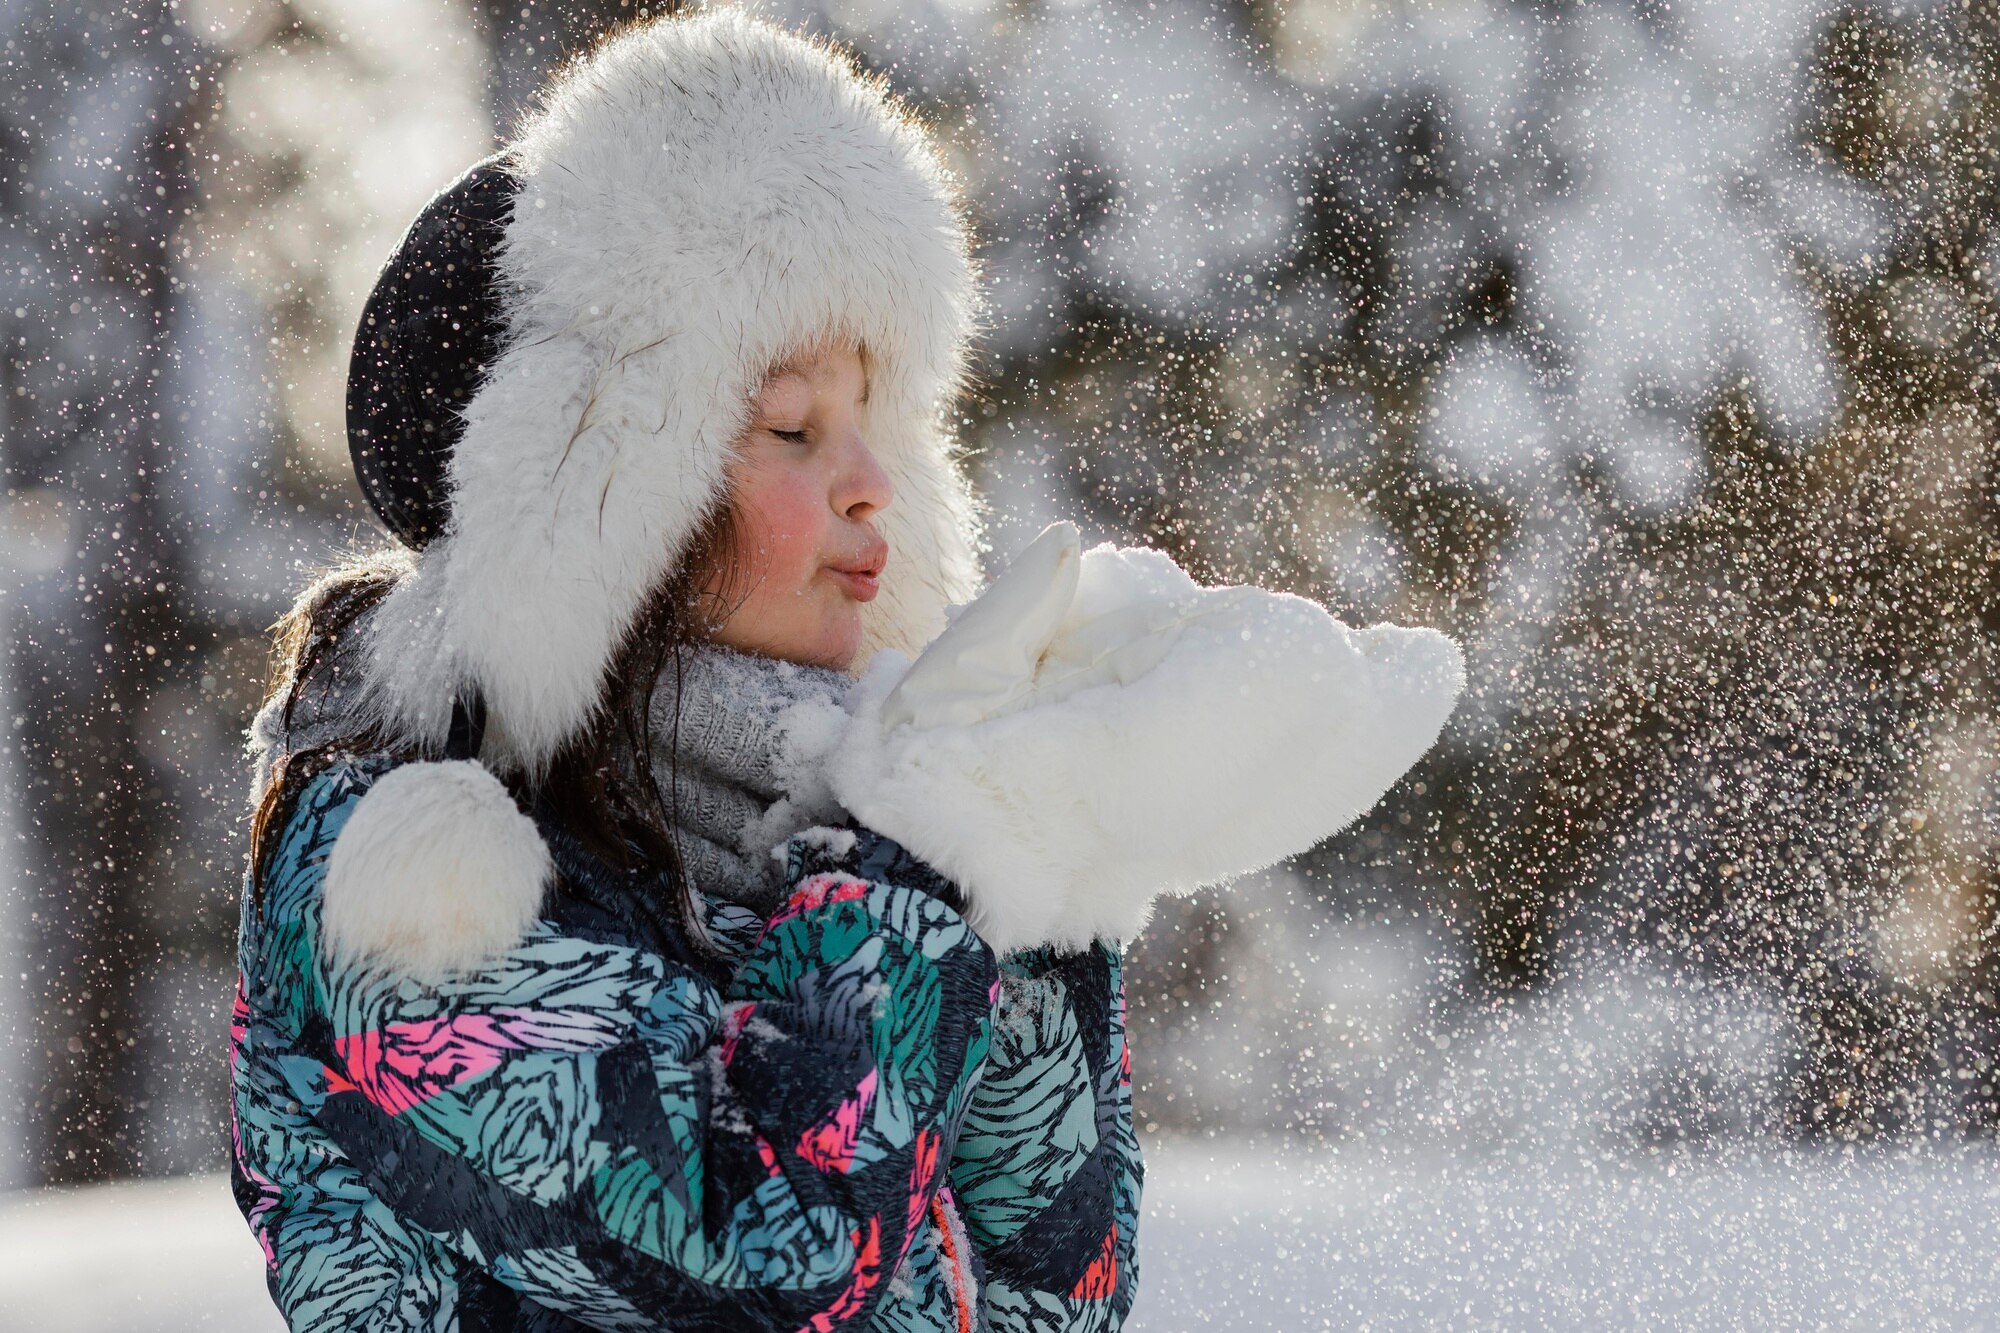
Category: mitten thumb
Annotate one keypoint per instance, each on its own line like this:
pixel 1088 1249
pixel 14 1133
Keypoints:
pixel 986 659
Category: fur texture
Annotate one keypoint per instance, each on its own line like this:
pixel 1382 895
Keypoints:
pixel 700 196
pixel 435 871
pixel 1181 736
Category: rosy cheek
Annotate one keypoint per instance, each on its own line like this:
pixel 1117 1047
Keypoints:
pixel 786 529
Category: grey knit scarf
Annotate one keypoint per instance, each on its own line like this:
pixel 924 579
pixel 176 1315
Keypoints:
pixel 741 770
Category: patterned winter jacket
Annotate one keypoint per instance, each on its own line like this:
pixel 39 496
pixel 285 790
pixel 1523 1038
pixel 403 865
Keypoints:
pixel 870 1122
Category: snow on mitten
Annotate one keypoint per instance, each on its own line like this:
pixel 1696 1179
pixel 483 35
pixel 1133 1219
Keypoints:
pixel 1097 729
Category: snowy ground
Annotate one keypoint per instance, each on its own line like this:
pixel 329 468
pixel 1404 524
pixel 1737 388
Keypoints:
pixel 1363 1241
pixel 1239 1240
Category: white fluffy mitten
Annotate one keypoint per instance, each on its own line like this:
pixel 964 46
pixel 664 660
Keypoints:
pixel 1096 729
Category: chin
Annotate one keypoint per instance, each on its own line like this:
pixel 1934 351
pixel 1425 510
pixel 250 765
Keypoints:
pixel 833 642
pixel 845 644
pixel 835 649
pixel 840 658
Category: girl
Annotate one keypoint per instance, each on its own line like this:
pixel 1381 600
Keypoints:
pixel 675 901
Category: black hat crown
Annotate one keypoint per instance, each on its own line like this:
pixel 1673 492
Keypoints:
pixel 430 329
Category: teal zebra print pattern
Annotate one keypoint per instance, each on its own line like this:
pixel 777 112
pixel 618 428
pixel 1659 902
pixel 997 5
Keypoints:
pixel 863 1120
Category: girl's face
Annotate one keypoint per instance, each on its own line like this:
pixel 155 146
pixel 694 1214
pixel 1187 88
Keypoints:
pixel 805 487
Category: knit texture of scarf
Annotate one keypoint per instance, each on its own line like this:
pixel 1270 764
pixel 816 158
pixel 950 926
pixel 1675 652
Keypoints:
pixel 740 770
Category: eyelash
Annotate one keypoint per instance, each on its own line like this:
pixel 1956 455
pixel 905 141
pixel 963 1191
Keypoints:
pixel 791 436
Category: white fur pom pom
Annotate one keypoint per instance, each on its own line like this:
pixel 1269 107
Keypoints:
pixel 435 871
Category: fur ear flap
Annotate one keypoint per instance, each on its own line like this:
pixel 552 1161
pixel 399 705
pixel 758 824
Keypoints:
pixel 436 871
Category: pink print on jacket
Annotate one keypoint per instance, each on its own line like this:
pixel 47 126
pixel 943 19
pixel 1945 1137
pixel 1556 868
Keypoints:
pixel 815 892
pixel 922 1168
pixel 830 1144
pixel 867 1242
pixel 404 1064
pixel 269 1196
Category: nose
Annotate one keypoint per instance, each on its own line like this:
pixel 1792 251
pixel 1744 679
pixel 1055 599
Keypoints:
pixel 864 486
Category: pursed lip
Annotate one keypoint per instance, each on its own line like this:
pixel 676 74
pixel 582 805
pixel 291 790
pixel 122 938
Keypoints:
pixel 862 575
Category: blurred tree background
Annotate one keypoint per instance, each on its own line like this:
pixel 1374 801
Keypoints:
pixel 1651 350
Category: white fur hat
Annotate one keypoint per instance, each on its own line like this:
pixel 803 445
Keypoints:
pixel 697 197
pixel 693 201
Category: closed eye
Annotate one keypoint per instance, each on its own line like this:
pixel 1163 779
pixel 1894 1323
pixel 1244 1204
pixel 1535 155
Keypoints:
pixel 791 436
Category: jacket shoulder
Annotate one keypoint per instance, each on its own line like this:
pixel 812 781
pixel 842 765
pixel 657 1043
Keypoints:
pixel 311 826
